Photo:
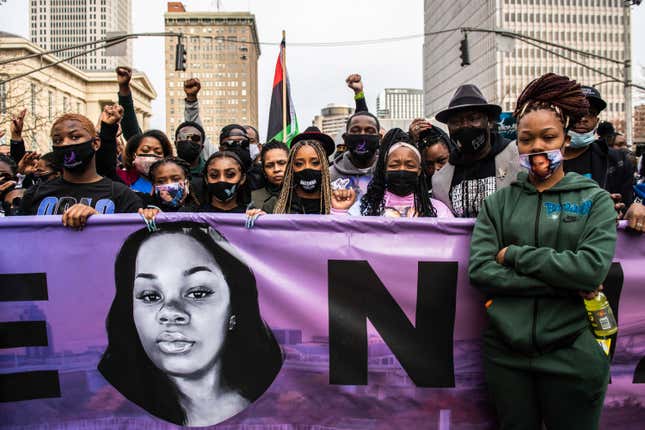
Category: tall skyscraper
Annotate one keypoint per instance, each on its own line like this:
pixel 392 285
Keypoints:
pixel 502 69
pixel 222 51
pixel 400 103
pixel 61 23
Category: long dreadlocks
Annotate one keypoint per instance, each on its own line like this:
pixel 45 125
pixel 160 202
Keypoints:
pixel 556 93
pixel 283 205
pixel 372 203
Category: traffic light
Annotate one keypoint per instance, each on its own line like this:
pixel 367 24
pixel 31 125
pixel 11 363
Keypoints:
pixel 180 57
pixel 463 47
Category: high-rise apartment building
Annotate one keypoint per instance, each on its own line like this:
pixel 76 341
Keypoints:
pixel 222 51
pixel 502 69
pixel 332 119
pixel 400 103
pixel 62 23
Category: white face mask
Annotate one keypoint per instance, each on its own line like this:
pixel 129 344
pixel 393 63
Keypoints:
pixel 254 151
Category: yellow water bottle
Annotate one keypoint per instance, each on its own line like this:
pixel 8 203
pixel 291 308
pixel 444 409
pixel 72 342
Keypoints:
pixel 603 322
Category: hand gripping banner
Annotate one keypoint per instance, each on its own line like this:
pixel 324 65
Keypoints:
pixel 302 322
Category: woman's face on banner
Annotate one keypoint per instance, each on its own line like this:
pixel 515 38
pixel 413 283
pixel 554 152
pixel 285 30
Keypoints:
pixel 181 305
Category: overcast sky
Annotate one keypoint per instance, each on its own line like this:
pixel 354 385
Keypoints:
pixel 317 74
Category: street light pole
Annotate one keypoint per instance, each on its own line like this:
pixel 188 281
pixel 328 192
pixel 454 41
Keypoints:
pixel 627 74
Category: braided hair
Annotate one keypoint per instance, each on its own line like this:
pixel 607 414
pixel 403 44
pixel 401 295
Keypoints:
pixel 283 205
pixel 556 93
pixel 373 203
pixel 182 164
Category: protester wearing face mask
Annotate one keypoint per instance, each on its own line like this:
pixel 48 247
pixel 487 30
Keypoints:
pixel 47 168
pixel 225 185
pixel 141 152
pixel 482 161
pixel 171 185
pixel 273 157
pixel 189 142
pixel 434 146
pixel 8 191
pixel 81 192
pixel 357 163
pixel 539 246
pixel 611 169
pixel 307 185
pixel 255 147
pixel 234 138
pixel 399 187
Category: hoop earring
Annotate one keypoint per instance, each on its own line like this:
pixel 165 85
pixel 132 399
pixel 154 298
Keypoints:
pixel 232 322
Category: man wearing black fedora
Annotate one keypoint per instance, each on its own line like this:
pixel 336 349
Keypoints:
pixel 590 155
pixel 482 162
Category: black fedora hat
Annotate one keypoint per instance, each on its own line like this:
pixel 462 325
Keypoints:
pixel 468 97
pixel 314 133
pixel 594 98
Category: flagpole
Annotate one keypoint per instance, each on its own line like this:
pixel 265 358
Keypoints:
pixel 283 47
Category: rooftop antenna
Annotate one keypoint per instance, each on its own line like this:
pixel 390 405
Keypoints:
pixel 217 4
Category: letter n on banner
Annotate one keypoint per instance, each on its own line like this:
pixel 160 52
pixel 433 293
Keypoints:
pixel 425 351
pixel 34 384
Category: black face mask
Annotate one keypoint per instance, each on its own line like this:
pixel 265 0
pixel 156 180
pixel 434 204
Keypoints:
pixel 223 191
pixel 401 182
pixel 362 146
pixel 40 179
pixel 76 158
pixel 309 180
pixel 470 140
pixel 188 150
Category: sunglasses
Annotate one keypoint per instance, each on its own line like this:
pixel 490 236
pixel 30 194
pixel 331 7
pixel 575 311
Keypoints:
pixel 234 143
pixel 192 137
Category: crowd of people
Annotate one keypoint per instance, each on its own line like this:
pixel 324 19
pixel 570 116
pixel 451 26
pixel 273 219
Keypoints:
pixel 546 207
pixel 115 167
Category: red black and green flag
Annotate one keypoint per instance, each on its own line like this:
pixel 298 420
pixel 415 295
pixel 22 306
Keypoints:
pixel 282 128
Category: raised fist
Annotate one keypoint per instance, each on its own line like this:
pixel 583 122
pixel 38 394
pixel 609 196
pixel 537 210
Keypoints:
pixel 191 88
pixel 354 81
pixel 123 76
pixel 17 123
pixel 112 114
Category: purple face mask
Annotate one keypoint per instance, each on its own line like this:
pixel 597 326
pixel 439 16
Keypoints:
pixel 542 164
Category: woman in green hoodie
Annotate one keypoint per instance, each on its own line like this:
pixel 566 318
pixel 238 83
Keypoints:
pixel 539 246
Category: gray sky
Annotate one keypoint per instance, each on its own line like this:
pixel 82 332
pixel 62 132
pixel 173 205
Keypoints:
pixel 317 74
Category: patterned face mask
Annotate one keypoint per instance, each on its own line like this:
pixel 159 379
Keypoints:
pixel 542 164
pixel 172 194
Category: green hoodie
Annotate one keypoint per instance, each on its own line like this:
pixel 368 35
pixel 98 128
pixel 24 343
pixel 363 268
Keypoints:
pixel 560 242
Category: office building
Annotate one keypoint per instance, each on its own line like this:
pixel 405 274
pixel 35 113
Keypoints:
pixel 400 103
pixel 56 24
pixel 222 51
pixel 502 67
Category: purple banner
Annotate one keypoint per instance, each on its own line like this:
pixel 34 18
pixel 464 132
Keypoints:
pixel 374 321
